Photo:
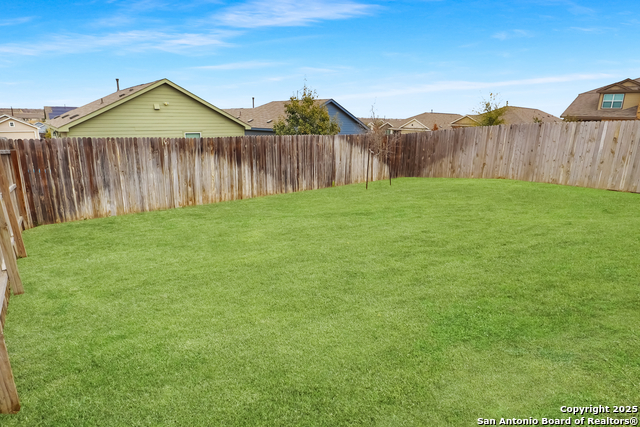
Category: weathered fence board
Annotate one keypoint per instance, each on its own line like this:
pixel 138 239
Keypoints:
pixel 71 179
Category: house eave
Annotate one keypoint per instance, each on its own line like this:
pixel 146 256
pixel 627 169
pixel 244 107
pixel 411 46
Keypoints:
pixel 67 126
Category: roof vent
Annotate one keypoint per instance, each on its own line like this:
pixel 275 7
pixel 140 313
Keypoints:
pixel 65 116
pixel 122 94
pixel 269 121
pixel 74 116
pixel 250 120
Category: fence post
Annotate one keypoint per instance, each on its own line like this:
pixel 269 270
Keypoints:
pixel 9 280
pixel 9 402
pixel 20 195
pixel 9 256
pixel 11 213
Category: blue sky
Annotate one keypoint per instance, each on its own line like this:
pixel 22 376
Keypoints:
pixel 401 57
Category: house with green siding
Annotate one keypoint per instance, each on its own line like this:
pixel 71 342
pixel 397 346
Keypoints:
pixel 156 109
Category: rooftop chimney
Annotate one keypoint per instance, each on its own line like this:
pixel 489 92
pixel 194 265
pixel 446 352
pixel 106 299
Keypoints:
pixel 118 84
pixel 253 102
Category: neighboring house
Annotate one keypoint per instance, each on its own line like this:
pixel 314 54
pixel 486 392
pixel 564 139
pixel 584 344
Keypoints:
pixel 424 122
pixel 512 116
pixel 42 128
pixel 53 112
pixel 30 115
pixel 15 128
pixel 156 109
pixel 389 126
pixel 617 101
pixel 261 118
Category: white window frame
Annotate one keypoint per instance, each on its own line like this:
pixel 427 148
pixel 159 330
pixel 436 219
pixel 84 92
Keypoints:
pixel 614 99
pixel 12 124
pixel 191 133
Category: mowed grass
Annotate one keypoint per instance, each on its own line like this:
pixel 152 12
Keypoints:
pixel 427 302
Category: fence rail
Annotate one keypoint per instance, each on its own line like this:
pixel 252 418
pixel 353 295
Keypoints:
pixel 77 178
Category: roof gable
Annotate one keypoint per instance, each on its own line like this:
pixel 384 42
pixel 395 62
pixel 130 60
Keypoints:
pixel 6 118
pixel 264 116
pixel 414 124
pixel 97 107
pixel 586 106
pixel 436 120
pixel 465 119
pixel 623 86
pixel 345 111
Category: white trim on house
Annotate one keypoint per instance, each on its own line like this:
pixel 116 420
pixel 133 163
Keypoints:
pixel 411 121
pixel 5 117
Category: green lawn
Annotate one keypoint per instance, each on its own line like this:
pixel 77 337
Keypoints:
pixel 430 302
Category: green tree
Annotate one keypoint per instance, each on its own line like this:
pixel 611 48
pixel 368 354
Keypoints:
pixel 490 111
pixel 303 116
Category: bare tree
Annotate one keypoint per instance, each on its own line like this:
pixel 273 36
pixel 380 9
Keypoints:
pixel 380 144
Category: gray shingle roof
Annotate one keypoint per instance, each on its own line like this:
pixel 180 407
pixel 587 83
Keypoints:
pixel 443 120
pixel 96 105
pixel 585 106
pixel 263 116
pixel 53 112
pixel 24 113
pixel 522 115
pixel 513 115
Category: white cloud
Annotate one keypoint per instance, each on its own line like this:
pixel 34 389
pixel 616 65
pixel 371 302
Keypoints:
pixel 572 7
pixel 504 35
pixel 595 30
pixel 114 21
pixel 289 13
pixel 316 70
pixel 248 65
pixel 131 41
pixel 470 85
pixel 15 21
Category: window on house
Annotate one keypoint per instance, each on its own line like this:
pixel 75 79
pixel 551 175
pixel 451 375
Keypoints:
pixel 11 124
pixel 612 100
pixel 192 135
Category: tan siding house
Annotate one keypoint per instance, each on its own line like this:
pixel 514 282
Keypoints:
pixel 156 109
pixel 12 128
pixel 512 116
pixel 617 101
pixel 424 122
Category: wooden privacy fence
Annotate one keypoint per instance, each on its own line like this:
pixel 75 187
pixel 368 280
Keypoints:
pixel 603 155
pixel 10 246
pixel 71 179
pixel 49 181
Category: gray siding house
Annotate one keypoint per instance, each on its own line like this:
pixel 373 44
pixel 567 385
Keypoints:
pixel 261 118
